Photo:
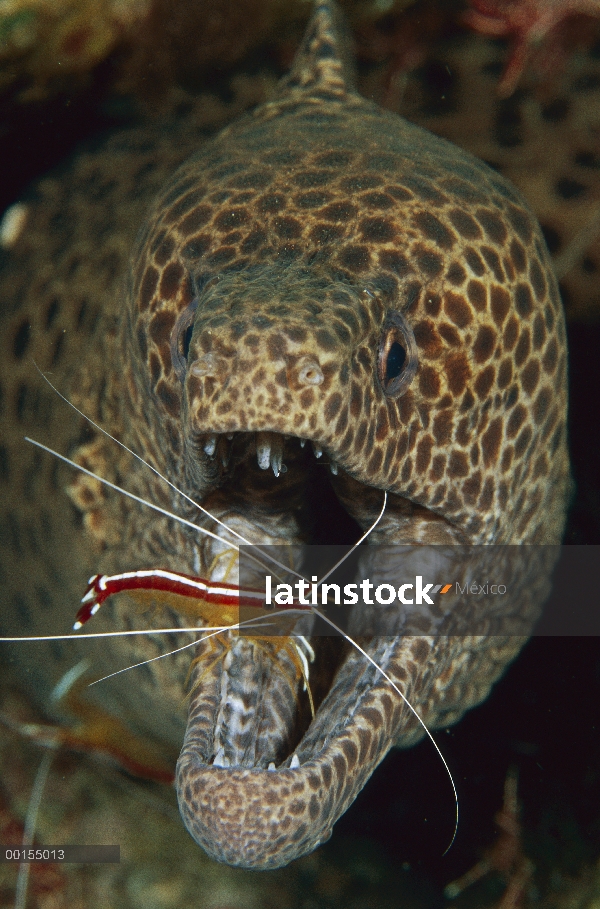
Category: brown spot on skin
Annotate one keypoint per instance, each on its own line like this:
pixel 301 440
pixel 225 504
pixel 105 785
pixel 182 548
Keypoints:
pixel 429 262
pixel 507 459
pixel 538 280
pixel 438 468
pixel 471 488
pixel 382 426
pixel 325 340
pixel 377 230
pixel 492 225
pixel 477 294
pixel 483 348
pixel 171 281
pixel 468 401
pixel 419 650
pixel 336 159
pixel 517 254
pixel 456 274
pixel 231 219
pixel 433 305
pixel 523 347
pixel 550 358
pixel 432 228
pixel 474 262
pixel 375 461
pixel 457 465
pixel 326 233
pixel 338 211
pixel 169 399
pixel 312 199
pixel 508 268
pixel 427 338
pixel 287 228
pixel 516 420
pixel 490 442
pixel 524 300
pixel 442 427
pixel 463 432
pixel 511 333
pixel 355 258
pixel 530 377
pixel 307 398
pixel 332 407
pixel 361 436
pixel 271 202
pixel 458 373
pixel 484 382
pixel 362 181
pixel 522 442
pixel 465 224
pixel 155 368
pixel 539 332
pixel 500 300
pixel 449 334
pixel 493 260
pixel 423 456
pixel 376 200
pixel 512 397
pixel 196 247
pixel 399 193
pixel 164 251
pixel 429 382
pixel 394 261
pixel 487 495
pixel 350 752
pixel 541 405
pixel 355 400
pixel 457 310
pixel 541 467
pixel 161 327
pixel 195 220
pixel 309 178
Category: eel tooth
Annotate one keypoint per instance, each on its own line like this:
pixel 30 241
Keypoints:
pixel 210 444
pixel 224 451
pixel 295 762
pixel 333 468
pixel 317 450
pixel 269 451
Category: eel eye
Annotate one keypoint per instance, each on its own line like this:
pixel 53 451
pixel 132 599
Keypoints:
pixel 181 337
pixel 398 358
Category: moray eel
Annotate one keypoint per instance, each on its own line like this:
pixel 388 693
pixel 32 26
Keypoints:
pixel 320 271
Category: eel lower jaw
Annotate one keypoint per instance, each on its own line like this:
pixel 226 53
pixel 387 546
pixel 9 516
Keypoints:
pixel 262 817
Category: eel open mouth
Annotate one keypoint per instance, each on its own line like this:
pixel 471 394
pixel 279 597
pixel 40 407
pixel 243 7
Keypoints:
pixel 261 780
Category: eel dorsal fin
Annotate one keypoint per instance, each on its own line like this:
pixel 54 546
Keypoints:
pixel 324 62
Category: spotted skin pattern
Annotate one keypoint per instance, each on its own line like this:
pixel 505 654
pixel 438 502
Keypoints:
pixel 289 239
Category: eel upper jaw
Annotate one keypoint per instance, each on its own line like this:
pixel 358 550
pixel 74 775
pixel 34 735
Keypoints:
pixel 268 447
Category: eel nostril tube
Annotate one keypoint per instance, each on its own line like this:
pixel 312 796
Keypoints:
pixel 309 372
pixel 209 364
